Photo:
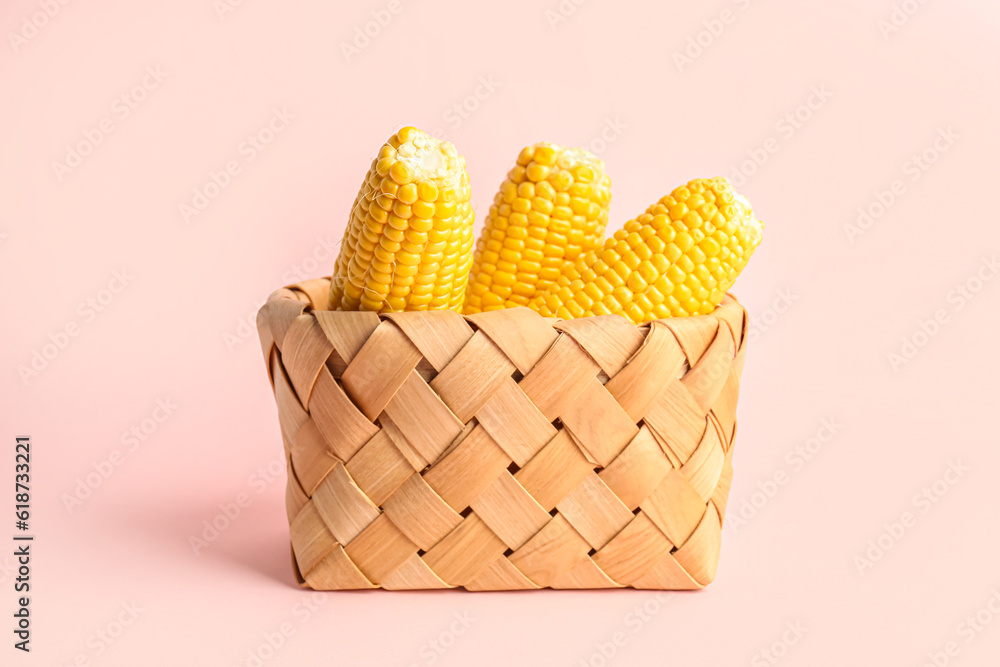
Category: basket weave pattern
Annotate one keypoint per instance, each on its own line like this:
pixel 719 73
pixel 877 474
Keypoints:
pixel 502 450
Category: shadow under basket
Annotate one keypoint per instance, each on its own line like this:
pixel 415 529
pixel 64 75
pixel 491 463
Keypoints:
pixel 503 450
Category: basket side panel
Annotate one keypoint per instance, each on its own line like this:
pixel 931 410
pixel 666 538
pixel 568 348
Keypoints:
pixel 603 458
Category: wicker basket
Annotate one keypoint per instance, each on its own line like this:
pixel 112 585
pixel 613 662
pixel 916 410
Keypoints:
pixel 503 450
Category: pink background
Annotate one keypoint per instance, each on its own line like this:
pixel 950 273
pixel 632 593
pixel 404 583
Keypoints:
pixel 178 330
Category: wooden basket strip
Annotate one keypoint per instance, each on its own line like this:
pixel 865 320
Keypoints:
pixel 509 511
pixel 667 573
pixel 558 378
pixel 665 448
pixel 378 468
pixel 337 572
pixel 585 574
pixel 464 473
pixel 279 312
pixel 305 352
pixel 295 499
pixel 413 573
pixel 704 467
pixel 594 511
pixel 635 549
pixel 598 423
pixel 465 551
pixel 420 513
pixel 472 377
pixel 514 422
pixel 344 508
pixel 678 420
pixel 272 356
pixel 438 334
pixel 501 575
pixel 291 414
pixel 637 470
pixel 522 335
pixel 347 331
pixel 675 507
pixel 700 554
pixel 379 368
pixel 720 496
pixel 741 357
pixel 693 334
pixel 707 377
pixel 724 408
pixel 402 442
pixel 336 364
pixel 429 425
pixel 552 551
pixel 312 460
pixel 642 380
pixel 554 471
pixel 380 549
pixel 608 339
pixel 311 539
pixel 315 292
pixel 730 312
pixel 299 579
pixel 342 425
pixel 467 430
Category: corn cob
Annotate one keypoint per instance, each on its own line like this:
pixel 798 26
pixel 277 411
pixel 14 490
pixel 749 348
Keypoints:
pixel 678 258
pixel 408 244
pixel 552 207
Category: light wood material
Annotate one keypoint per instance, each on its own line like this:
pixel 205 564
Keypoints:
pixel 502 450
pixel 510 511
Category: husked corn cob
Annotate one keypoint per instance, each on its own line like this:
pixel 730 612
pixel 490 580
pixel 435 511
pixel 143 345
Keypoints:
pixel 552 207
pixel 678 258
pixel 408 244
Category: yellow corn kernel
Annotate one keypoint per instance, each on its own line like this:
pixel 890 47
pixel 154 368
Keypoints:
pixel 678 258
pixel 408 244
pixel 553 205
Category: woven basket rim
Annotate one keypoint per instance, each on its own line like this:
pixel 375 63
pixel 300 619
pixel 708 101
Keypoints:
pixel 305 292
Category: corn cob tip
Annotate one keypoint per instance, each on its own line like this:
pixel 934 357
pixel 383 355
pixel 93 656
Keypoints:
pixel 412 156
pixel 550 209
pixel 676 259
pixel 408 244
